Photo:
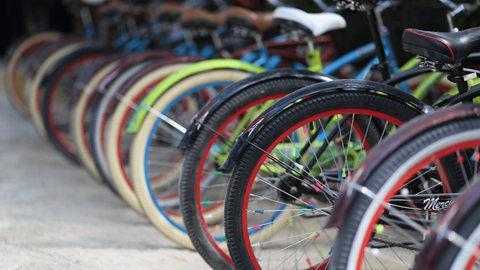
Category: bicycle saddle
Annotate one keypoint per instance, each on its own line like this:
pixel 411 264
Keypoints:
pixel 195 16
pixel 318 24
pixel 260 20
pixel 171 8
pixel 445 47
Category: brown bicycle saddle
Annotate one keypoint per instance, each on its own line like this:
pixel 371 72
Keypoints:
pixel 202 15
pixel 170 7
pixel 445 47
pixel 260 20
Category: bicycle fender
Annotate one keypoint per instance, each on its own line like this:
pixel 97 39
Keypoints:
pixel 225 95
pixel 310 91
pixel 386 147
pixel 438 237
pixel 174 78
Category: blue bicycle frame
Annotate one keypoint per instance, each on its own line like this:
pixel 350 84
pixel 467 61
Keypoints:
pixel 364 52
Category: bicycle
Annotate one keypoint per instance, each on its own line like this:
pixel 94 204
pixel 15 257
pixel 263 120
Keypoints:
pixel 96 138
pixel 282 141
pixel 150 199
pixel 175 96
pixel 417 174
pixel 208 141
pixel 57 129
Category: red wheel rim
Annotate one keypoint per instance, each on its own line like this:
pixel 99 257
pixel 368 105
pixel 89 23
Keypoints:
pixel 245 232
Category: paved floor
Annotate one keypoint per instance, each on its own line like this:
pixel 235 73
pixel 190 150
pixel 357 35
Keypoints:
pixel 53 215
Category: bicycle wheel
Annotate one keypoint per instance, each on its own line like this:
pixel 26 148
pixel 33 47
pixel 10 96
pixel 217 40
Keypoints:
pixel 118 142
pixel 413 180
pixel 85 106
pixel 200 181
pixel 82 113
pixel 56 98
pixel 33 91
pixel 14 76
pixel 39 56
pixel 156 162
pixel 107 103
pixel 312 147
pixel 458 238
pixel 79 115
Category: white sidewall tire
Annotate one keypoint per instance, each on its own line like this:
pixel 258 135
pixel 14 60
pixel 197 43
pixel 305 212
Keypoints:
pixel 16 95
pixel 139 145
pixel 114 166
pixel 33 91
pixel 76 128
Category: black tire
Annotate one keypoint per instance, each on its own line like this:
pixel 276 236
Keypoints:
pixel 244 171
pixel 15 53
pixel 193 156
pixel 381 175
pixel 468 225
pixel 48 84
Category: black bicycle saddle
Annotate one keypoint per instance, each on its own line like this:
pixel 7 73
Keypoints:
pixel 445 47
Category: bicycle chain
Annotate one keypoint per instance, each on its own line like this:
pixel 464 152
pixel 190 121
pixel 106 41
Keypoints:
pixel 391 244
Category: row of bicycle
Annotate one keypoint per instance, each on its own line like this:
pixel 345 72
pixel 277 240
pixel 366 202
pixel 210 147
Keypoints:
pixel 165 131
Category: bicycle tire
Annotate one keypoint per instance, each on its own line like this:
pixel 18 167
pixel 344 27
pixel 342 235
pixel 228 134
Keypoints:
pixel 34 90
pixel 170 226
pixel 12 87
pixel 455 257
pixel 275 131
pixel 118 119
pixel 402 162
pixel 79 111
pixel 195 157
pixel 97 132
pixel 38 58
pixel 87 103
pixel 70 63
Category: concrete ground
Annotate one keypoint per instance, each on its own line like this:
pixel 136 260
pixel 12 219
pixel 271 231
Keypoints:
pixel 53 215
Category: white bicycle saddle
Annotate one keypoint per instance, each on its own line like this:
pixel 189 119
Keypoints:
pixel 318 23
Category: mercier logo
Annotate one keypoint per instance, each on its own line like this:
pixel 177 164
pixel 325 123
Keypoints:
pixel 434 204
